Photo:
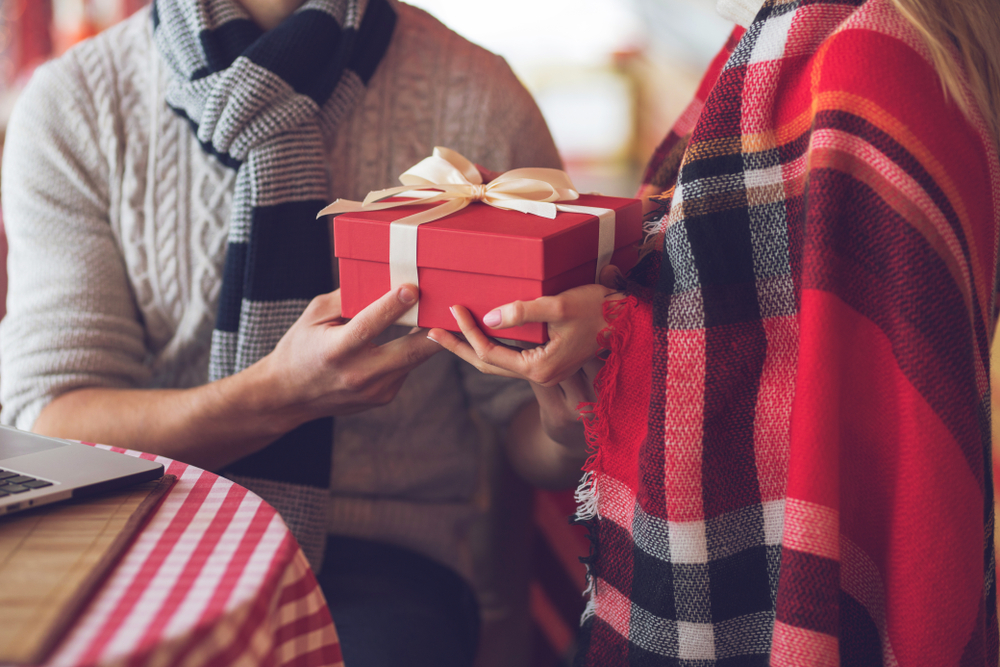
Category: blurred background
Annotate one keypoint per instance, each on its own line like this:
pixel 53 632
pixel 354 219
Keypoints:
pixel 609 75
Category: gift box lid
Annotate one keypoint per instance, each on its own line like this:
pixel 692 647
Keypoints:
pixel 484 239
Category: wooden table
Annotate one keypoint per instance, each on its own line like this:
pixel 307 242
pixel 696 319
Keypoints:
pixel 214 579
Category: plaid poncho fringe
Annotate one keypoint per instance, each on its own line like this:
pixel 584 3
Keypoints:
pixel 802 474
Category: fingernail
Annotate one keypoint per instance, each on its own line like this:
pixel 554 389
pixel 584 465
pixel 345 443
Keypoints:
pixel 407 294
pixel 436 341
pixel 493 318
pixel 453 313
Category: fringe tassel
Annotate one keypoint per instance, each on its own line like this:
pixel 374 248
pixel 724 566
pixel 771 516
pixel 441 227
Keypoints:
pixel 586 498
pixel 597 431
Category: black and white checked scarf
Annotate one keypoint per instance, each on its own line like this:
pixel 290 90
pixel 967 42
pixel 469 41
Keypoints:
pixel 260 103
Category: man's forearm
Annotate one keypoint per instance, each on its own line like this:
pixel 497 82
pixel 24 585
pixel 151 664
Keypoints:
pixel 209 426
pixel 320 367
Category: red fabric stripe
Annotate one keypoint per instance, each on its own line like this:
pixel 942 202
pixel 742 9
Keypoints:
pixel 186 579
pixel 196 496
pixel 224 588
pixel 299 589
pixel 258 613
pixel 774 406
pixel 303 625
pixel 869 445
pixel 325 656
pixel 625 385
pixel 683 416
pixel 916 101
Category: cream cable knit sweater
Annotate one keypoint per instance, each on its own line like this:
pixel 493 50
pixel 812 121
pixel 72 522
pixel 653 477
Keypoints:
pixel 117 224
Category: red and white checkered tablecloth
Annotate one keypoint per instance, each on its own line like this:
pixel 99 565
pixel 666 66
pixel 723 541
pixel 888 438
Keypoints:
pixel 214 579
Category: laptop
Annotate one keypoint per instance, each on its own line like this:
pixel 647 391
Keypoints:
pixel 38 470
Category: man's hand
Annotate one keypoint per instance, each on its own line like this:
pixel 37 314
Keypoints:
pixel 324 365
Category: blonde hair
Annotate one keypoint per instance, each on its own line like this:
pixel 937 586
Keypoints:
pixel 973 28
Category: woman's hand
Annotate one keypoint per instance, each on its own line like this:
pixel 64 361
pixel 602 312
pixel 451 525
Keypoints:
pixel 574 319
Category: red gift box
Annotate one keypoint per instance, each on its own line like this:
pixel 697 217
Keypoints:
pixel 482 257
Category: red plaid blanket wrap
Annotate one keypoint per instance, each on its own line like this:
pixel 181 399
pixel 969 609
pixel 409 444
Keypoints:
pixel 792 461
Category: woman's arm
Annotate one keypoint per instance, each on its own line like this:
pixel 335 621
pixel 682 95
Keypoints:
pixel 545 442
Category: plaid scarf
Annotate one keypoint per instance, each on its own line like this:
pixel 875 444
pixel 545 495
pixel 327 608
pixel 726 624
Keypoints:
pixel 792 459
pixel 260 103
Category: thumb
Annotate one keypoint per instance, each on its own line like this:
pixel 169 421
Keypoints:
pixel 611 277
pixel 380 314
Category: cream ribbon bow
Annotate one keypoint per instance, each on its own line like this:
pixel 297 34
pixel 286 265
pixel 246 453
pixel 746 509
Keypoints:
pixel 450 178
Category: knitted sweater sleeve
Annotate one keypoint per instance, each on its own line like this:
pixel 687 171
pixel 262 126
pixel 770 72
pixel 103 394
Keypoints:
pixel 71 317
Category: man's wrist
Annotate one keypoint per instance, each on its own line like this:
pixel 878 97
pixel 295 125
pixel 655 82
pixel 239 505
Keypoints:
pixel 257 397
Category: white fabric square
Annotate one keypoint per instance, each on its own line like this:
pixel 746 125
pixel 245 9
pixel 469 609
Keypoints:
pixel 774 521
pixel 759 178
pixel 773 33
pixel 688 543
pixel 697 641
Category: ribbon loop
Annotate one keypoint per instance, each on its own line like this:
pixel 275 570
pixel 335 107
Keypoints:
pixel 448 175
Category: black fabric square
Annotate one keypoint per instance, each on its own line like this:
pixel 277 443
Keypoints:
pixel 723 253
pixel 372 38
pixel 225 43
pixel 281 461
pixel 640 657
pixel 808 592
pixel 615 552
pixel 653 585
pixel 292 248
pixel 722 247
pixel 231 292
pixel 308 40
pixel 762 159
pixel 739 585
pixel 692 592
pixel 860 644
pixel 714 166
pixel 729 304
